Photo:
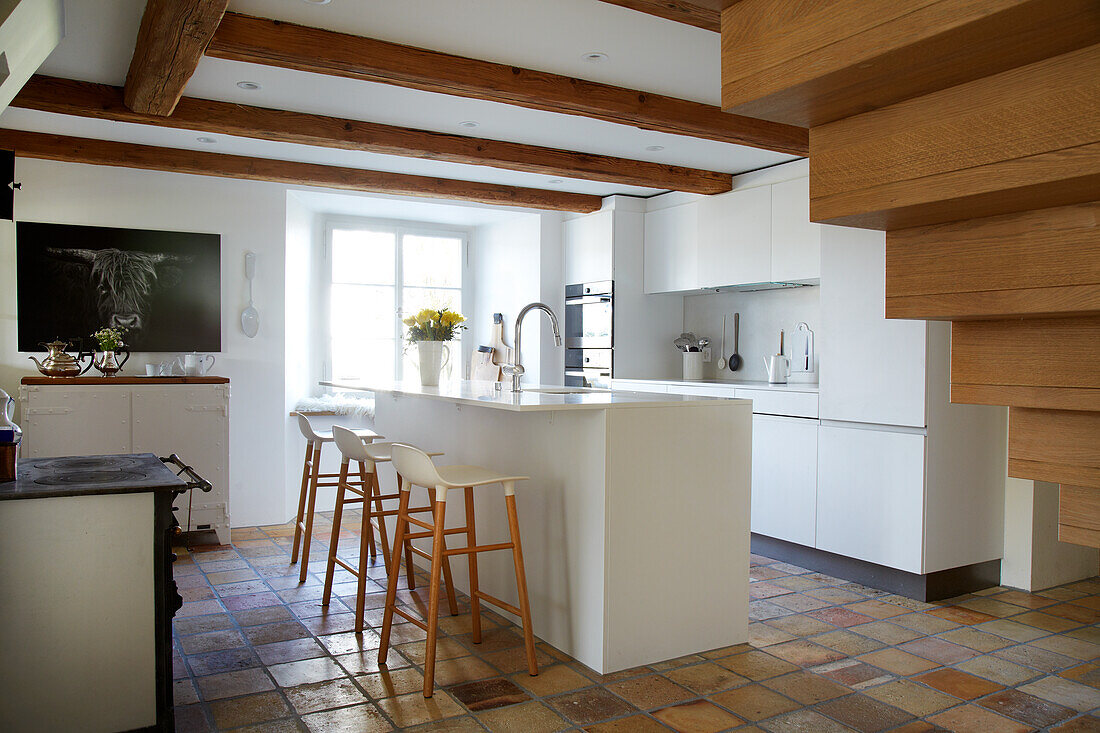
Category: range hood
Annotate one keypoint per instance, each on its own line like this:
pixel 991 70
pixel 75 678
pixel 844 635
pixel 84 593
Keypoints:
pixel 754 287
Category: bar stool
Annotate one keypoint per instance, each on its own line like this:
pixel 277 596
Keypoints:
pixel 366 491
pixel 311 480
pixel 415 468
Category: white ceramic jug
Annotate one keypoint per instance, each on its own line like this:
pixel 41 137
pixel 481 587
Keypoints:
pixel 195 364
pixel 779 368
pixel 434 355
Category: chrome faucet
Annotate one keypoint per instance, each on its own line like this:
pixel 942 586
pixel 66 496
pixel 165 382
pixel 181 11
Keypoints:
pixel 515 369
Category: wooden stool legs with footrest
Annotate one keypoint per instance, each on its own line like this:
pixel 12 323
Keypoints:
pixel 415 468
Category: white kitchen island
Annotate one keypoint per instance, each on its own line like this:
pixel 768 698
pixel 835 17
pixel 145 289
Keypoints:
pixel 635 522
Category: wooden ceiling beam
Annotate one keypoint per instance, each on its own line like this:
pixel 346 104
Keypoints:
pixel 285 45
pixel 172 160
pixel 100 101
pixel 700 13
pixel 171 40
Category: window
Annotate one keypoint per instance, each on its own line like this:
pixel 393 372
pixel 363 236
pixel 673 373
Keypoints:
pixel 378 275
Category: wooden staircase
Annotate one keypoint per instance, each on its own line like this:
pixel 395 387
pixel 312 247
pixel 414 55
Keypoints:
pixel 970 132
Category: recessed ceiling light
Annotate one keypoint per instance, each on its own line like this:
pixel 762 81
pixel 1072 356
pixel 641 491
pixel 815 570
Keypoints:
pixel 468 123
pixel 249 85
pixel 655 148
pixel 556 180
pixel 207 140
pixel 595 57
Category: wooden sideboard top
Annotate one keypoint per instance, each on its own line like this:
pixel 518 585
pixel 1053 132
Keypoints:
pixel 124 380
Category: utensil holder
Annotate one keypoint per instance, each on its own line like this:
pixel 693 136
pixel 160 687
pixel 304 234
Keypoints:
pixel 693 365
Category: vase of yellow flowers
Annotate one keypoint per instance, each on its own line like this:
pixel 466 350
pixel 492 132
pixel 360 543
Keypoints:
pixel 430 329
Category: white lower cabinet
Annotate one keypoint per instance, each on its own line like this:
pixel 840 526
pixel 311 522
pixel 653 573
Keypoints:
pixel 784 478
pixel 870 495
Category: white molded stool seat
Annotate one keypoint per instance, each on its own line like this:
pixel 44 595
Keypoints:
pixel 415 468
pixel 311 480
pixel 367 491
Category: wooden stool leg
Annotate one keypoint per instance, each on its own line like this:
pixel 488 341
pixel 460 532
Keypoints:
pixel 308 539
pixel 376 496
pixel 301 504
pixel 439 509
pixel 410 577
pixel 391 581
pixel 521 578
pixel 361 578
pixel 334 540
pixel 471 541
pixel 452 602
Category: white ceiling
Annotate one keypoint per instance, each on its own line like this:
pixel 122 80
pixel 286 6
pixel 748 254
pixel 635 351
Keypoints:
pixel 458 214
pixel 644 52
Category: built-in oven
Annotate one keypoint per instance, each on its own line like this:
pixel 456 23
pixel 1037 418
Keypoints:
pixel 588 367
pixel 588 315
pixel 589 341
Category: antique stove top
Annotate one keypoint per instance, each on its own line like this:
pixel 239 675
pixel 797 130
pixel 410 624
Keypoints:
pixel 75 475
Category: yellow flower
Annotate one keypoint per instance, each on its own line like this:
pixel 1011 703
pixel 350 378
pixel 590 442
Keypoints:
pixel 410 321
pixel 425 316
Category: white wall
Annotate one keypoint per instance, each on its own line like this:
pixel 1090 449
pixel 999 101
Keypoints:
pixel 1034 559
pixel 249 216
pixel 763 314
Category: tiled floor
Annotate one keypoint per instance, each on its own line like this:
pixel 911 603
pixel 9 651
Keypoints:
pixel 254 650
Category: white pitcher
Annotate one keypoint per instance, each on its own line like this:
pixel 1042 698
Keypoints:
pixel 434 355
pixel 195 364
pixel 779 368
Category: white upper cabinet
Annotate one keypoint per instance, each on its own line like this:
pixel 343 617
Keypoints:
pixel 672 249
pixel 796 241
pixel 735 238
pixel 589 248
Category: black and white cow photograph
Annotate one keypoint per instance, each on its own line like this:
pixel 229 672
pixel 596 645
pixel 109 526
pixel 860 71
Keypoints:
pixel 162 288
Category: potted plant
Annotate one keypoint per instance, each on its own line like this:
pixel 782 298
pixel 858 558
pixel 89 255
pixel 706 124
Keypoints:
pixel 430 329
pixel 109 340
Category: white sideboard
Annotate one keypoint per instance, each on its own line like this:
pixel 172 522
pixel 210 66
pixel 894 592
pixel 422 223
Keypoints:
pixel 93 416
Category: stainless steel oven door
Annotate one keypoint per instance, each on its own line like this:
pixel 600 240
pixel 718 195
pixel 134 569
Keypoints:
pixel 588 316
pixel 588 367
pixel 588 378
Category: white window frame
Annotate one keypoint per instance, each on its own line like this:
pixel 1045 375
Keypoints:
pixel 400 229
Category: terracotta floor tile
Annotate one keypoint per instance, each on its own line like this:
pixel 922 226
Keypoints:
pixel 915 699
pixel 463 669
pixel 1046 622
pixel 762 635
pixel 248 710
pixel 633 724
pixel 910 604
pixel 1084 724
pixel 1090 634
pixel 1037 658
pixel 756 665
pixel 1026 600
pixel 231 576
pixel 1070 647
pixel 754 702
pixel 552 680
pixel 530 717
pixel 705 679
pixel 973 719
pixel 1064 692
pixel 898 661
pixel 316 696
pixel 924 623
pixel 1009 629
pixel 803 721
pixel 805 653
pixel 847 642
pixel 992 606
pixel 514 660
pixel 834 595
pixel 1027 708
pixel 653 691
pixel 790 568
pixel 766 573
pixel 212 641
pixel 999 670
pixel 797 601
pixel 357 719
pixel 232 684
pixel 877 609
pixel 1086 674
pixel 278 631
pixel 191 719
pixel 806 687
pixel 391 683
pixel 292 674
pixel 887 633
pixel 488 694
pixel 960 615
pixel 446 648
pixel 224 661
pixel 863 713
pixel 184 692
pixel 800 625
pixel 1074 612
pixel 594 705
pixel 292 650
pixel 758 611
pixel 960 684
pixel 854 674
pixel 939 650
pixel 797 583
pixel 970 637
pixel 414 708
pixel 265 615
pixel 725 651
pixel 699 716
pixel 202 624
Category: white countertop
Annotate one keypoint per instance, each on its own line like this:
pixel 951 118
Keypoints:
pixel 737 384
pixel 482 394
